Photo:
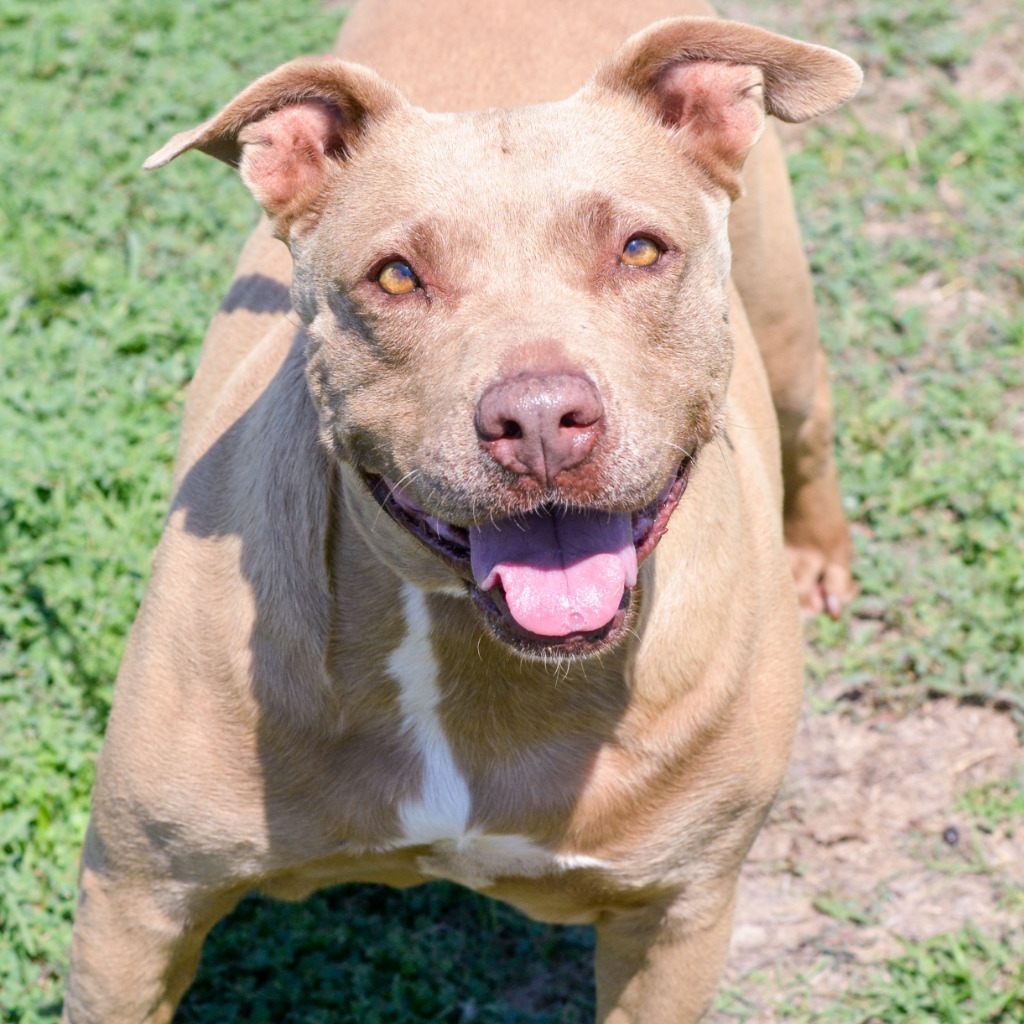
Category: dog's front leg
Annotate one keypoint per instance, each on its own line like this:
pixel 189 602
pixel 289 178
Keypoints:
pixel 654 966
pixel 136 945
pixel 773 278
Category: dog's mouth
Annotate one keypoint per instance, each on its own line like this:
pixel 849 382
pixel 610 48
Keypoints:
pixel 555 581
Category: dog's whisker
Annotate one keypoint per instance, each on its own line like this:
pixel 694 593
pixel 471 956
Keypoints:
pixel 411 475
pixel 720 441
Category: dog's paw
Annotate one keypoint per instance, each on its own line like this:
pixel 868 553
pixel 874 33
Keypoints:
pixel 824 582
pixel 818 540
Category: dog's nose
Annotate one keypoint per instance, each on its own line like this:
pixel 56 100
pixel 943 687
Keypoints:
pixel 539 424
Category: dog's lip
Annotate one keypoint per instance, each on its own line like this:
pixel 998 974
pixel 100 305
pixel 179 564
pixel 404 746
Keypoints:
pixel 452 545
pixel 651 522
pixel 447 541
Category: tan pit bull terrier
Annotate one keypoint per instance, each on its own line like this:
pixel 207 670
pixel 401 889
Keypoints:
pixel 476 566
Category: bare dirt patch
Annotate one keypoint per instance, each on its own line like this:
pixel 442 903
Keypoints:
pixel 942 301
pixel 865 845
pixel 995 70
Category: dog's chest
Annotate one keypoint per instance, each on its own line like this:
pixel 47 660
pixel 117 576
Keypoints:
pixel 439 817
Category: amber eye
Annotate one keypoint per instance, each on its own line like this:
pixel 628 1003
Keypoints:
pixel 397 278
pixel 640 252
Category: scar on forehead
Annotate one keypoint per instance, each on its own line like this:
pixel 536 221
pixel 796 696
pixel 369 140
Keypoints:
pixel 504 133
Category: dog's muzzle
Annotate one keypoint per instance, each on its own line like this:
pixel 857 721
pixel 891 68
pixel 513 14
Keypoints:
pixel 552 581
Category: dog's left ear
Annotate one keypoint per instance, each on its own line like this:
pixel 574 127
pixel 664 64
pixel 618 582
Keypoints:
pixel 714 81
pixel 290 130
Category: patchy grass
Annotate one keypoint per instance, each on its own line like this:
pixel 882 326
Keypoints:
pixel 996 804
pixel 965 978
pixel 914 214
pixel 962 978
pixel 920 282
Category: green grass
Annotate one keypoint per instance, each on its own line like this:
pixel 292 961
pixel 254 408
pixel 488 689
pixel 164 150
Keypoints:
pixel 369 955
pixel 965 978
pixel 107 279
pixel 997 805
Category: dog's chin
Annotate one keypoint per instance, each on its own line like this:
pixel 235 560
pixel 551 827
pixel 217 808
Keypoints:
pixel 451 544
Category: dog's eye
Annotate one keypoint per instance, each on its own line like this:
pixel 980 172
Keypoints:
pixel 397 278
pixel 640 252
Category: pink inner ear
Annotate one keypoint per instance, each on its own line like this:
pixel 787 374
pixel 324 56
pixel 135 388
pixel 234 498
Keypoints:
pixel 720 105
pixel 285 154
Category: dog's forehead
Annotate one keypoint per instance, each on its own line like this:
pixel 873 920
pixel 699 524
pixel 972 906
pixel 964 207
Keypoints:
pixel 519 173
pixel 548 140
pixel 529 154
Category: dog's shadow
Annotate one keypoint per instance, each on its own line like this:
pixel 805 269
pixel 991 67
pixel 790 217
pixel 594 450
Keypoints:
pixel 368 954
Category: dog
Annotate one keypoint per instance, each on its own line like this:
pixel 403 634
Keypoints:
pixel 498 487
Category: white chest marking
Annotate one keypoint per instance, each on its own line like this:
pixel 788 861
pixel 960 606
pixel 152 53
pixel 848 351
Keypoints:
pixel 442 810
pixel 440 817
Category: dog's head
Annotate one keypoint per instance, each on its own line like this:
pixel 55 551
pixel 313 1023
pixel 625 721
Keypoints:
pixel 518 329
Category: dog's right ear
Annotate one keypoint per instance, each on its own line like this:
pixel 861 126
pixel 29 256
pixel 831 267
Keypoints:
pixel 712 82
pixel 289 130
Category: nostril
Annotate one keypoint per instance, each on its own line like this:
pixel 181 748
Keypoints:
pixel 581 417
pixel 511 430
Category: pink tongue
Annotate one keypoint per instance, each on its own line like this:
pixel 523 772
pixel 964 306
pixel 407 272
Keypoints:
pixel 562 572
